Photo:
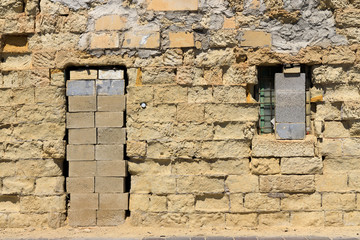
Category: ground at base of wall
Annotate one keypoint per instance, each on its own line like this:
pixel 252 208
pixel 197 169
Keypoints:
pixel 126 231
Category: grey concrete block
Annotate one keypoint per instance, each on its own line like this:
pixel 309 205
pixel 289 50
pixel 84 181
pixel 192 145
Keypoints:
pixel 283 83
pixel 291 131
pixel 111 74
pixel 290 107
pixel 110 87
pixel 80 88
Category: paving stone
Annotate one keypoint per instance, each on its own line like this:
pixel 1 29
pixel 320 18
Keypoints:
pixel 317 238
pixel 197 238
pixel 178 238
pixel 219 238
pixel 295 238
pixel 271 238
pixel 245 238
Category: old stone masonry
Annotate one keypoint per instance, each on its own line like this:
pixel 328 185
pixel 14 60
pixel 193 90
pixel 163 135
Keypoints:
pixel 174 113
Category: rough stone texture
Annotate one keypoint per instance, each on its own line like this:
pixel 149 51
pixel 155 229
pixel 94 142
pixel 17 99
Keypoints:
pixel 194 152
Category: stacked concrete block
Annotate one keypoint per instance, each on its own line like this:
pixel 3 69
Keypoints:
pixel 290 106
pixel 95 150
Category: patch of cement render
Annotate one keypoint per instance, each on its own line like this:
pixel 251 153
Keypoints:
pixel 314 28
pixel 75 4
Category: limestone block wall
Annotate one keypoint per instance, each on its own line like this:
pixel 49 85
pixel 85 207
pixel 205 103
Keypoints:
pixel 194 152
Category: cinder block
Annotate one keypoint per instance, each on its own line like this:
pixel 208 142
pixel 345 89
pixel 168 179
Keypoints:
pixel 80 201
pixel 82 218
pixel 296 84
pixel 118 201
pixel 290 107
pixel 80 120
pixel 111 103
pixel 80 152
pixel 82 103
pixel 111 135
pixel 109 152
pixel 109 119
pixel 111 74
pixel 110 217
pixel 80 185
pixel 110 87
pixel 291 131
pixel 82 169
pixel 83 74
pixel 111 168
pixel 82 136
pixel 109 185
pixel 80 88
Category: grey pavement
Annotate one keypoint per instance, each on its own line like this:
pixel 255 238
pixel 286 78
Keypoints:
pixel 203 238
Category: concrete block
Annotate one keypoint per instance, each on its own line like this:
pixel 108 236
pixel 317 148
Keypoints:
pixel 114 201
pixel 83 74
pixel 111 103
pixel 109 185
pixel 111 168
pixel 80 201
pixel 256 39
pixel 111 74
pixel 109 119
pixel 289 83
pixel 82 218
pixel 109 152
pixel 80 120
pixel 110 22
pixel 181 39
pixel 82 136
pixel 172 5
pixel 110 217
pixel 111 135
pixel 290 107
pixel 80 88
pixel 80 152
pixel 110 87
pixel 80 184
pixel 82 169
pixel 82 103
pixel 291 131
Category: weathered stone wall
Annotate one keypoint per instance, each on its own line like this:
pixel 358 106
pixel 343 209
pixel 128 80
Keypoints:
pixel 195 156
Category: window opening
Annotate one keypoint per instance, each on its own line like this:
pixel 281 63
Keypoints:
pixel 266 97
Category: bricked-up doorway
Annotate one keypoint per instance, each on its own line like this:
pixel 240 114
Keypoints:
pixel 95 121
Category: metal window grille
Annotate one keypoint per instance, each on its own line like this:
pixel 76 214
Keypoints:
pixel 266 98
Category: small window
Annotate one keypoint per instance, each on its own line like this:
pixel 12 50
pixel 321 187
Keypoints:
pixel 281 93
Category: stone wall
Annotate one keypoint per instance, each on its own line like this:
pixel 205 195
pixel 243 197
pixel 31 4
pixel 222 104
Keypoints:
pixel 195 155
